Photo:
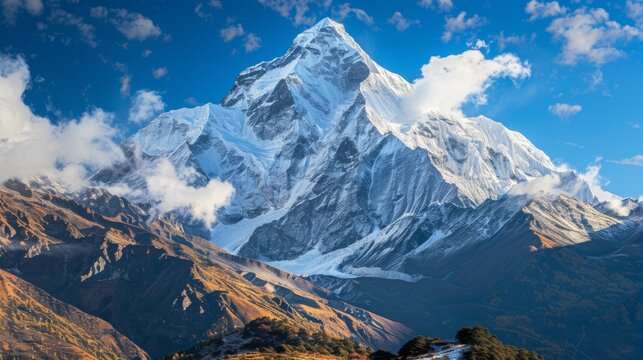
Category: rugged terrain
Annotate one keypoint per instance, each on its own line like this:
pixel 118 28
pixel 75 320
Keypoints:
pixel 35 324
pixel 435 214
pixel 163 289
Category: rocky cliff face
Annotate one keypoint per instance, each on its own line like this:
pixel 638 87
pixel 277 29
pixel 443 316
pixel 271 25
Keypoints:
pixel 163 289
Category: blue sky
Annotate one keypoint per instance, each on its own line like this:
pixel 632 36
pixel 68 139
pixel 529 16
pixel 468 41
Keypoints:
pixel 585 56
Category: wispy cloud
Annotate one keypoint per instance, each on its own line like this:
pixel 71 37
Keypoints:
pixel 133 25
pixel 86 30
pixel 11 9
pixel 541 10
pixel 252 42
pixel 441 5
pixel 636 160
pixel 159 72
pixel 343 11
pixel 400 22
pixel 460 24
pixel 231 32
pixel 299 12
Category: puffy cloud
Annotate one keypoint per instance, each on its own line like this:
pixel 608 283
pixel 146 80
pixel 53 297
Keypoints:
pixel 252 42
pixel 564 110
pixel 145 104
pixel 345 10
pixel 297 11
pixel 543 186
pixel 160 72
pixel 591 35
pixel 32 146
pixel 479 45
pixel 231 32
pixel 541 10
pixel 172 191
pixel 400 22
pixel 459 24
pixel 442 5
pixel 636 160
pixel 11 8
pixel 449 82
pixel 134 25
pixel 87 31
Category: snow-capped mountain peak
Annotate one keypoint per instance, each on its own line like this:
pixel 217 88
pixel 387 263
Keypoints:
pixel 323 158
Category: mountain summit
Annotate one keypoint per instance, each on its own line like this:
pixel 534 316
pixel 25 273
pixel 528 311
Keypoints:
pixel 328 169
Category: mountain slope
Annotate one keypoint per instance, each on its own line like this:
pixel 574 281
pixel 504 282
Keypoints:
pixel 323 157
pixel 33 323
pixel 163 289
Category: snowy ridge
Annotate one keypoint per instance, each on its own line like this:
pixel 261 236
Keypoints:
pixel 331 175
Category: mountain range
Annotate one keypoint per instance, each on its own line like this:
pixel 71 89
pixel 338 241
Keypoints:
pixel 351 215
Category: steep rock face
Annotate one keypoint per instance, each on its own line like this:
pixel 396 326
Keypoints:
pixel 163 289
pixel 323 157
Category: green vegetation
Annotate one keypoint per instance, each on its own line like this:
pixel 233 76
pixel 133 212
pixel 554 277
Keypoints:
pixel 266 338
pixel 485 345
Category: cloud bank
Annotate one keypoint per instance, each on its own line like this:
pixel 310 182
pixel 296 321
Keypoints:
pixel 449 82
pixel 171 191
pixel 32 146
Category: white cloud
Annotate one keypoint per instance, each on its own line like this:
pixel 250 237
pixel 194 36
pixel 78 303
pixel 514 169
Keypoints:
pixel 591 35
pixel 505 40
pixel 636 160
pixel 595 182
pixel 620 207
pixel 252 42
pixel 345 10
pixel 564 110
pixel 459 24
pixel 98 12
pixel 297 11
pixel 125 82
pixel 133 25
pixel 479 45
pixel 635 11
pixel 87 31
pixel 400 22
pixel 541 10
pixel 200 8
pixel 32 146
pixel 543 186
pixel 449 82
pixel 172 191
pixel 442 5
pixel 160 72
pixel 145 104
pixel 11 8
pixel 231 32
